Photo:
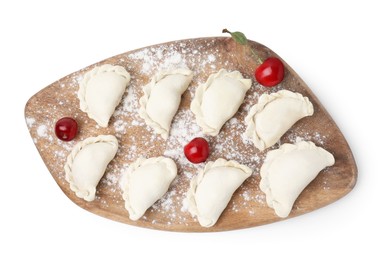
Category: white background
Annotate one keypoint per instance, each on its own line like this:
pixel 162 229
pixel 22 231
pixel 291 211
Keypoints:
pixel 340 48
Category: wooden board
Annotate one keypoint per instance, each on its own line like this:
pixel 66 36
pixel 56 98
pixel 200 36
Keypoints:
pixel 204 56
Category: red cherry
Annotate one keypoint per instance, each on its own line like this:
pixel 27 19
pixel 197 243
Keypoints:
pixel 66 129
pixel 270 72
pixel 197 150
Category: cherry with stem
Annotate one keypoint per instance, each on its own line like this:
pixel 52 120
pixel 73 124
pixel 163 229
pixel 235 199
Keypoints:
pixel 270 72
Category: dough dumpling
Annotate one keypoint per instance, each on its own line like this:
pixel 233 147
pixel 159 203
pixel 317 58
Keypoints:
pixel 288 170
pixel 217 100
pixel 273 115
pixel 162 97
pixel 145 182
pixel 212 188
pixel 87 163
pixel 101 91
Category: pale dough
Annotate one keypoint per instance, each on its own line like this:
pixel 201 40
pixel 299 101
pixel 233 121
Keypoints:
pixel 273 115
pixel 87 163
pixel 288 170
pixel 162 97
pixel 145 182
pixel 101 91
pixel 217 100
pixel 212 188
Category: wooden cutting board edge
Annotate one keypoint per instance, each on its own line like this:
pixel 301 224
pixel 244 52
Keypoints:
pixel 100 212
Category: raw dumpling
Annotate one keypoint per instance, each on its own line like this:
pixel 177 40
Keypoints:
pixel 87 163
pixel 273 115
pixel 219 99
pixel 145 182
pixel 162 97
pixel 212 189
pixel 288 170
pixel 101 91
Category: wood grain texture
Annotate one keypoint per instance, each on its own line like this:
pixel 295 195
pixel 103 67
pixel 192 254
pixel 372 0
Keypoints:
pixel 204 56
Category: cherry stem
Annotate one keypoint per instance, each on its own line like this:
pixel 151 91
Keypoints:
pixel 240 38
pixel 260 61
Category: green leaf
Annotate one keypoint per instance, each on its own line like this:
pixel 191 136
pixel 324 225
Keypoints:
pixel 239 37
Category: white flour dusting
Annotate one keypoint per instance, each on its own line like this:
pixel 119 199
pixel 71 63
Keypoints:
pixel 315 137
pixel 153 59
pixel 183 129
pixel 120 126
pixel 42 131
pixel 30 121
